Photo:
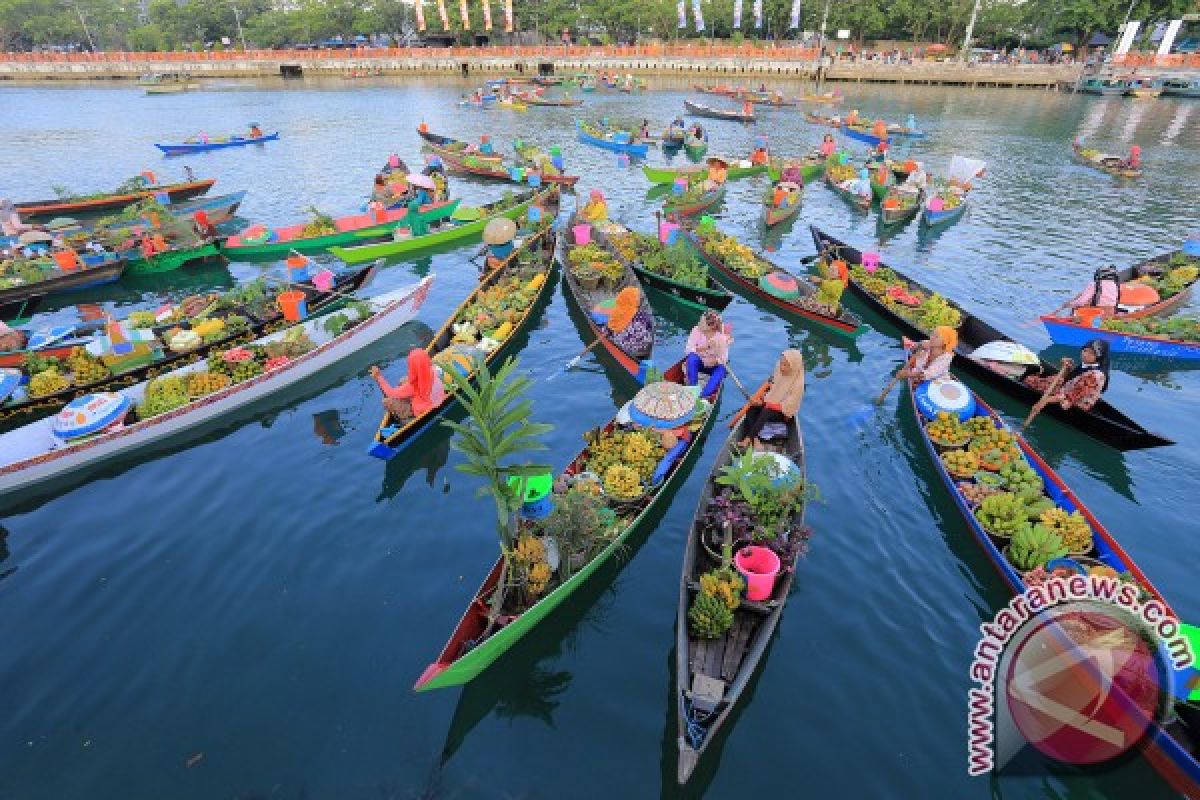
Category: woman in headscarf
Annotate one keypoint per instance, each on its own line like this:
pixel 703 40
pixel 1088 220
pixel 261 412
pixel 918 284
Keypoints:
pixel 931 358
pixel 707 351
pixel 781 401
pixel 1103 293
pixel 828 145
pixel 879 130
pixel 596 208
pixel 1084 384
pixel 630 327
pixel 1135 157
pixel 10 220
pixel 420 392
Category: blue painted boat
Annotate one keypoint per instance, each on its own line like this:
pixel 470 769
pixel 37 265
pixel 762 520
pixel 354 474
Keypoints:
pixel 862 136
pixel 943 217
pixel 186 148
pixel 1067 331
pixel 609 140
pixel 1167 745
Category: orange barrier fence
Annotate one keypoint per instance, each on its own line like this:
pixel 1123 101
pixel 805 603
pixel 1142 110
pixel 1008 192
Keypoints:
pixel 1153 60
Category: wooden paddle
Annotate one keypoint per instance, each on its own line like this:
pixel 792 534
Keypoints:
pixel 751 400
pixel 895 379
pixel 1045 399
pixel 729 369
pixel 571 364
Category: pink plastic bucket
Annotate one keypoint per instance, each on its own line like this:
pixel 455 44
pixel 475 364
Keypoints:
pixel 759 566
pixel 583 233
pixel 870 261
pixel 323 280
pixel 668 232
pixel 936 204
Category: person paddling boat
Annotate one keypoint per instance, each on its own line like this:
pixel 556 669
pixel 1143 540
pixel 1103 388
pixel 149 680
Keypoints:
pixel 708 352
pixel 1084 384
pixel 781 401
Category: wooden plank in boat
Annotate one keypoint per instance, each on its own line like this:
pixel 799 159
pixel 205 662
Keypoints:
pixel 737 637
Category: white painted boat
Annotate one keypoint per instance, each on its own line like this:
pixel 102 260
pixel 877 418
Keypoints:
pixel 33 455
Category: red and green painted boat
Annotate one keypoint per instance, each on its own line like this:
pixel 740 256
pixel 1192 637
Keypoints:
pixel 698 172
pixel 114 201
pixel 689 206
pixel 749 274
pixel 259 241
pixel 171 259
pixel 478 641
pixel 496 170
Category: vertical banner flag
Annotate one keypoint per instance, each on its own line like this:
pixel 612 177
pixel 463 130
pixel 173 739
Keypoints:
pixel 508 16
pixel 794 20
pixel 487 14
pixel 758 13
pixel 420 16
pixel 466 14
pixel 1131 29
pixel 737 14
pixel 442 13
pixel 1168 39
pixel 700 16
pixel 681 8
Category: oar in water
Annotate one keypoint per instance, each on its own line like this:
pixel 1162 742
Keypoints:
pixel 729 369
pixel 574 361
pixel 895 379
pixel 1045 399
pixel 750 401
pixel 859 417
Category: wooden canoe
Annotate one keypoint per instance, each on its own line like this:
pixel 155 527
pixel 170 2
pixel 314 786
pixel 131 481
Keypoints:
pixel 802 308
pixel 187 148
pixel 457 146
pixel 712 674
pixel 907 204
pixel 702 110
pixel 674 206
pixel 390 437
pixel 862 202
pixel 610 139
pixel 1168 746
pixel 469 165
pixel 96 271
pixel 1113 165
pixel 711 295
pixel 775 215
pixel 42 209
pixel 1103 422
pixel 475 643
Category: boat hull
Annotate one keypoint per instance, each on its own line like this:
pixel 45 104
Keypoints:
pixel 172 260
pixel 934 218
pixel 1068 332
pixel 666 175
pixel 774 216
pixel 698 110
pixel 703 203
pixel 107 272
pixel 639 149
pixel 46 209
pixel 184 148
pixel 713 296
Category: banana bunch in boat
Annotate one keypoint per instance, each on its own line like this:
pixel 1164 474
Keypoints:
pixel 1072 527
pixel 709 618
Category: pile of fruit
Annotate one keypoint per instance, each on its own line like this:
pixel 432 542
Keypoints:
pixel 841 172
pixel 1022 479
pixel 734 255
pixel 529 562
pixel 1179 329
pixel 321 224
pixel 592 260
pixel 205 382
pixel 496 310
pixel 950 199
pixel 960 463
pixel 625 461
pixel 48 381
pixel 1004 512
pixel 708 617
pixel 1034 547
pixel 980 425
pixel 1072 528
pixel 976 492
pixel 725 584
pixel 622 482
pixel 162 395
pixel 925 311
pixel 84 367
pixel 996 448
pixel 947 430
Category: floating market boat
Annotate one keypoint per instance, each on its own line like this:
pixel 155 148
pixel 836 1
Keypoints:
pixel 838 182
pixel 588 290
pixel 465 225
pixel 650 261
pixel 768 99
pixel 478 639
pixel 695 147
pixel 698 172
pixel 711 673
pixel 826 97
pixel 537 100
pixel 512 297
pixel 240 316
pixel 619 141
pixel 1165 281
pixel 721 91
pixel 259 241
pixel 882 180
pixel 112 201
pixel 673 137
pixel 1166 340
pixel 943 205
pixel 693 201
pixel 982 351
pixel 774 214
pixel 1181 87
pixel 900 204
pixel 170 259
pixel 220 143
pixel 812 167
pixel 456 146
pixel 496 170
pixel 1106 162
pixel 1101 86
pixel 64 272
pixel 221 208
pixel 167 83
pixel 702 110
pixel 769 286
pixel 98 428
pixel 862 131
pixel 1169 746
pixel 1143 88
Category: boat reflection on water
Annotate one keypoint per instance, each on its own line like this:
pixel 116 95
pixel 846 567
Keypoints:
pixel 430 453
pixel 4 554
pixel 327 425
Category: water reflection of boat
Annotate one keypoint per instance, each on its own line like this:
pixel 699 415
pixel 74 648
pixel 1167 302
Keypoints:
pixel 431 456
pixel 327 426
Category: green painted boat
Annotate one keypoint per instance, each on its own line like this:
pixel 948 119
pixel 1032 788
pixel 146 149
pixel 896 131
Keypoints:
pixel 465 225
pixel 882 179
pixel 695 148
pixel 812 167
pixel 667 175
pixel 258 241
pixel 476 643
pixel 172 259
pixel 692 206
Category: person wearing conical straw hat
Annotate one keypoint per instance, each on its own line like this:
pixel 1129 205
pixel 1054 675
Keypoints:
pixel 499 236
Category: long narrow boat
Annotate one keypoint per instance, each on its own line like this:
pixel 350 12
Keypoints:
pixel 169 260
pixel 1067 331
pixel 812 167
pixel 550 102
pixel 585 299
pixel 1105 162
pixel 95 270
pixel 619 141
pixel 953 206
pixel 533 263
pixel 477 642
pixel 450 231
pixel 45 209
pixel 698 172
pixel 256 323
pixel 720 91
pixel 862 202
pixel 673 137
pixel 702 110
pixel 630 248
pixel 695 146
pixel 186 148
pixel 1141 338
pixel 34 459
pixel 899 205
pixel 1103 422
pixel 862 130
pixel 1169 747
pixel 221 208
pixel 712 674
pixel 258 241
pixel 882 180
pixel 457 145
pixel 688 205
pixel 744 271
pixel 496 170
pixel 773 214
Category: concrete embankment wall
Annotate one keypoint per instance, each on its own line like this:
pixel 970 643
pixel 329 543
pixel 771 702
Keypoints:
pixel 114 67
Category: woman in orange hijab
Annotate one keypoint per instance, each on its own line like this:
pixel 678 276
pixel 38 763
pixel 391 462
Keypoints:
pixel 932 358
pixel 782 400
pixel 631 328
pixel 420 393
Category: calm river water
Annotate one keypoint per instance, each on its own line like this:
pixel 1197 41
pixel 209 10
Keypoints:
pixel 244 616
